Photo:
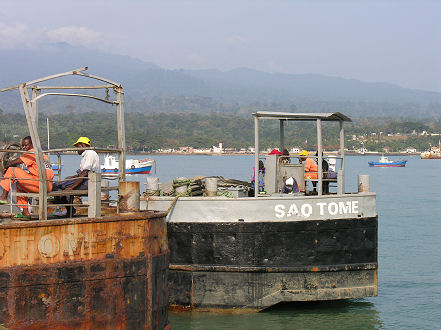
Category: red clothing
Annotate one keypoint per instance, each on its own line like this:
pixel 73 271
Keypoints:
pixel 311 169
pixel 32 186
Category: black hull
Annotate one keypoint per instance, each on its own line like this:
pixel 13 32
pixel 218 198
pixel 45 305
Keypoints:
pixel 258 264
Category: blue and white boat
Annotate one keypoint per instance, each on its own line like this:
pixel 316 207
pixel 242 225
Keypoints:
pixel 133 166
pixel 386 162
pixel 56 168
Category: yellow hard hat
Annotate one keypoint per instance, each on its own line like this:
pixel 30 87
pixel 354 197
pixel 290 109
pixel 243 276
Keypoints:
pixel 84 140
pixel 304 153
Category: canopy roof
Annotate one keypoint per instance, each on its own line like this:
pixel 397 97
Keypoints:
pixel 312 116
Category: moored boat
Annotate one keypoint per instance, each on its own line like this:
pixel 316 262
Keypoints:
pixel 386 162
pixel 133 166
pixel 250 253
pixel 56 167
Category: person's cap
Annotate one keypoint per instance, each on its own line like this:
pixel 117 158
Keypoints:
pixel 304 153
pixel 290 181
pixel 84 140
pixel 275 152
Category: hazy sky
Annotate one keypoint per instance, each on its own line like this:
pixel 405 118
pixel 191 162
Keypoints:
pixel 380 41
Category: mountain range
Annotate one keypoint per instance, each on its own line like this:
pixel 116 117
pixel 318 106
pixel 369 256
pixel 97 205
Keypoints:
pixel 150 88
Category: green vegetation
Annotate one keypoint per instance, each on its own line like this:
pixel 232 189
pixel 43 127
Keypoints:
pixel 160 130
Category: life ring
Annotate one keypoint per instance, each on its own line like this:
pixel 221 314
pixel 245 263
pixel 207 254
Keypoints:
pixel 132 167
pixel 115 170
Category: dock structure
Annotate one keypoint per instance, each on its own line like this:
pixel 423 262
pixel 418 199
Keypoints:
pixel 106 269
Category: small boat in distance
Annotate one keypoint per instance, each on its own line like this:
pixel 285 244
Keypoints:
pixel 133 166
pixel 386 162
pixel 55 167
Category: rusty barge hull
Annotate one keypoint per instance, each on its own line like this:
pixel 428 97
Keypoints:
pixel 246 254
pixel 107 272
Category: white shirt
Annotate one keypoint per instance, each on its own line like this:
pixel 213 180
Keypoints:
pixel 90 161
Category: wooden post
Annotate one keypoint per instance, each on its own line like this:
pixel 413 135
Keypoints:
pixel 94 195
pixel 363 183
pixel 282 135
pixel 340 182
pixel 320 157
pixel 121 133
pixel 35 93
pixel 129 193
pixel 256 156
pixel 342 155
pixel 42 210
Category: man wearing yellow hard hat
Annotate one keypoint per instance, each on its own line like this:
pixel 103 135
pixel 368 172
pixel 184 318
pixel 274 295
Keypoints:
pixel 311 168
pixel 89 162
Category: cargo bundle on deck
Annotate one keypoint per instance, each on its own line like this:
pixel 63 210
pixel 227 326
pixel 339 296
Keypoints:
pixel 250 253
pixel 93 271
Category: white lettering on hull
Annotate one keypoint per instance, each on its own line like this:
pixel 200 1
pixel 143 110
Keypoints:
pixel 320 208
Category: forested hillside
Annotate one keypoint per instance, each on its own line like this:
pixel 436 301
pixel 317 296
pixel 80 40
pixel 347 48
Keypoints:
pixel 149 132
pixel 149 88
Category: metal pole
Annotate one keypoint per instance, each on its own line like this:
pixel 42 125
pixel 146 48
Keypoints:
pixel 256 156
pixel 282 135
pixel 342 154
pixel 34 105
pixel 121 133
pixel 48 139
pixel 32 82
pixel 320 156
pixel 42 210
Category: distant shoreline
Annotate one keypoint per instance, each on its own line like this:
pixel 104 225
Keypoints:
pixel 347 153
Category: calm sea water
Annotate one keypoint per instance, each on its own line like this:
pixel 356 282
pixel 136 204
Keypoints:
pixel 409 251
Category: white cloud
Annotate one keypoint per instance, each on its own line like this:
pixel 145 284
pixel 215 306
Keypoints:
pixel 236 40
pixel 17 36
pixel 82 36
pixel 21 36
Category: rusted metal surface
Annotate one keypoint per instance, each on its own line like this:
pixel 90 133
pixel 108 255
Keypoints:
pixel 129 196
pixel 90 273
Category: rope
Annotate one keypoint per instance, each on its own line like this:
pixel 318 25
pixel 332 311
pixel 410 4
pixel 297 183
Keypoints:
pixel 172 204
pixel 152 193
pixel 182 182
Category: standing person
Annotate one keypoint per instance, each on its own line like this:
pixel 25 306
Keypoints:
pixel 261 184
pixel 89 162
pixel 14 174
pixel 311 168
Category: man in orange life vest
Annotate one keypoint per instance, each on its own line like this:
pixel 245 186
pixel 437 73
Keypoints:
pixel 311 168
pixel 14 174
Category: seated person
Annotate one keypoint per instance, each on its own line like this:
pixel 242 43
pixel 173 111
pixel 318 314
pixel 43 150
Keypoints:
pixel 291 186
pixel 89 162
pixel 14 174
